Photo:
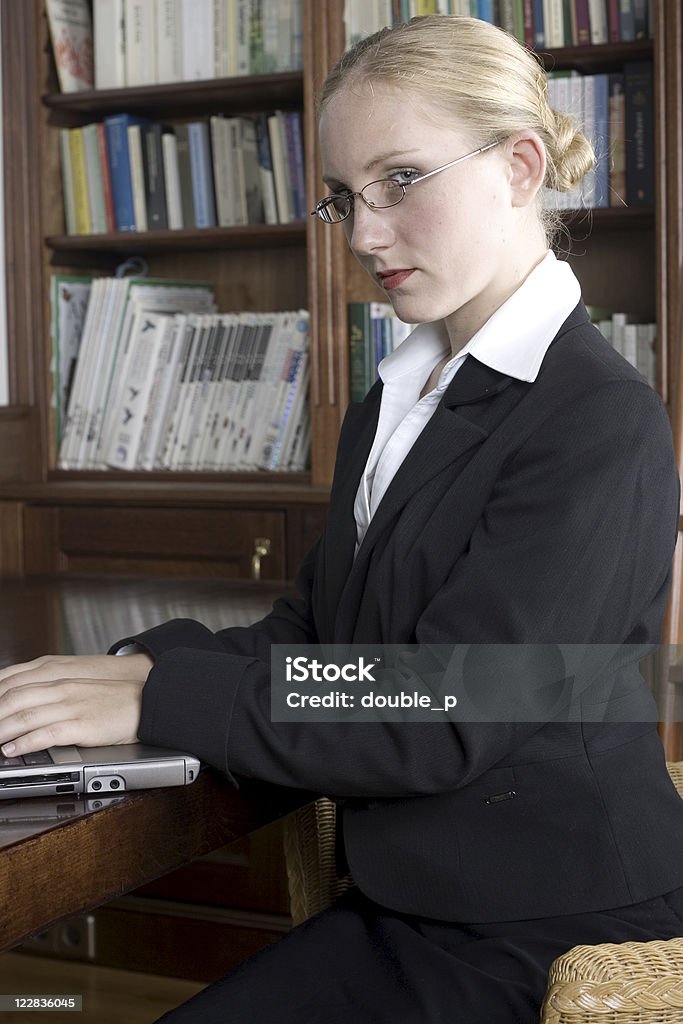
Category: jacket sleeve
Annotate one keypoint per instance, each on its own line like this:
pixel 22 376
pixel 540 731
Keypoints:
pixel 590 501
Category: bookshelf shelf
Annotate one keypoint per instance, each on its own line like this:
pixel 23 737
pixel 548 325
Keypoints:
pixel 246 490
pixel 246 94
pixel 253 236
pixel 613 218
pixel 594 59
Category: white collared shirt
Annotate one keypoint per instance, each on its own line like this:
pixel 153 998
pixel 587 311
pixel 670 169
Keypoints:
pixel 514 341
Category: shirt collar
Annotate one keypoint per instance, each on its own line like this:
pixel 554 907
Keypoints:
pixel 513 341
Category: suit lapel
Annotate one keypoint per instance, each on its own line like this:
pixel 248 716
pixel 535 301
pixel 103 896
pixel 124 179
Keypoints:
pixel 355 442
pixel 449 435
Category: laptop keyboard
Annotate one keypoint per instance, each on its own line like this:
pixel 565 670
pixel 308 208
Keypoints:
pixel 37 758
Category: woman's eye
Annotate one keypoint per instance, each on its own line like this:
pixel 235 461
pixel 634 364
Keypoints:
pixel 404 177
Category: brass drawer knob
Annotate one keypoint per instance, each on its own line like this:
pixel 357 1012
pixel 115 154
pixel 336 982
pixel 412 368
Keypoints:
pixel 261 549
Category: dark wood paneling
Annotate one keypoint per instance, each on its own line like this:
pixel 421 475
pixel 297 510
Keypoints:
pixel 11 538
pixel 187 944
pixel 17 440
pixel 165 541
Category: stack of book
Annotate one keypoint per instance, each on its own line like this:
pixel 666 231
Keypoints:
pixel 374 332
pixel 148 376
pixel 616 112
pixel 541 23
pixel 149 42
pixel 635 341
pixel 126 173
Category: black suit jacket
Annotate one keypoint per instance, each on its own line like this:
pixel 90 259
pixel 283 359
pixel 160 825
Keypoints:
pixel 525 513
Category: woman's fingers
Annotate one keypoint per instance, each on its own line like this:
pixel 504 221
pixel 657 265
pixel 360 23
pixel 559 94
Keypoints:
pixel 51 668
pixel 89 712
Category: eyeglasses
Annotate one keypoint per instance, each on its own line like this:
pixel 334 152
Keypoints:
pixel 381 194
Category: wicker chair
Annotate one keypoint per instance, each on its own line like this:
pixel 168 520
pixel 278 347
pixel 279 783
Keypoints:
pixel 625 983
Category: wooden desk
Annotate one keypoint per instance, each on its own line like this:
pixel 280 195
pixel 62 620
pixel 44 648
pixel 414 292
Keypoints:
pixel 50 870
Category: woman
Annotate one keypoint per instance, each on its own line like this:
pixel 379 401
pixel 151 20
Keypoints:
pixel 509 481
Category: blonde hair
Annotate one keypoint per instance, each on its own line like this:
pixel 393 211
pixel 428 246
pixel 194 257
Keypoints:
pixel 479 74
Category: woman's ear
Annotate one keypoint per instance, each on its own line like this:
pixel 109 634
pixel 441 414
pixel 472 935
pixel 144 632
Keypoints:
pixel 527 162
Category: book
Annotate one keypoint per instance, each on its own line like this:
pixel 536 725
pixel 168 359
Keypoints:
pixel 553 23
pixel 228 189
pixel 224 62
pixel 598 21
pixel 67 182
pixel 295 156
pixel 105 169
pixel 174 207
pixel 639 132
pixel 128 419
pixel 641 19
pixel 137 176
pixel 291 383
pixel 197 40
pixel 185 175
pixel 189 380
pixel 74 424
pixel 169 40
pixel 257 58
pixel 152 295
pixel 539 23
pixel 71 34
pixel 79 177
pixel 116 130
pixel 374 331
pixel 249 171
pixel 265 167
pixel 600 139
pixel 617 129
pixel 140 42
pixel 242 35
pixel 95 178
pixel 69 295
pixel 202 174
pixel 613 27
pixel 110 44
pixel 281 172
pixel 153 176
pixel 198 407
pixel 359 330
pixel 627 22
pixel 237 175
pixel 583 24
pixel 160 407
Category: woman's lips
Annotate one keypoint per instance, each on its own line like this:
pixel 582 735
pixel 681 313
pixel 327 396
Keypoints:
pixel 393 278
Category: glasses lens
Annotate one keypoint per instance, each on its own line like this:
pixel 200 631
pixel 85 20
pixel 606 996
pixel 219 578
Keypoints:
pixel 334 208
pixel 384 193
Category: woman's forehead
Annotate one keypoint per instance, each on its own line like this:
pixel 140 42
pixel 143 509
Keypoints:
pixel 382 118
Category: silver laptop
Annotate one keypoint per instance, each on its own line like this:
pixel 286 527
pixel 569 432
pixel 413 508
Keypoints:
pixel 95 771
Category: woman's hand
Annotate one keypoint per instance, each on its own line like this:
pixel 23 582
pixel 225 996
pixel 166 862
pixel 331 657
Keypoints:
pixel 81 700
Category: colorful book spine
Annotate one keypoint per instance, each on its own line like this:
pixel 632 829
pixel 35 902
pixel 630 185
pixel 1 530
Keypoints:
pixel 153 174
pixel 116 130
pixel 583 24
pixel 202 175
pixel 639 101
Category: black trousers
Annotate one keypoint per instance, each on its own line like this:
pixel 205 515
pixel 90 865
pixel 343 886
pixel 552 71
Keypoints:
pixel 359 963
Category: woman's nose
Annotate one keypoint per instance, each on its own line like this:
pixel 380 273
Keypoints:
pixel 368 229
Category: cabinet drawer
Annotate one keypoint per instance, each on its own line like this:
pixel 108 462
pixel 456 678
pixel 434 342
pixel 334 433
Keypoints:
pixel 158 541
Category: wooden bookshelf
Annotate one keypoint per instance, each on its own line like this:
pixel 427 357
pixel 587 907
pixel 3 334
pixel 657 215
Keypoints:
pixel 625 258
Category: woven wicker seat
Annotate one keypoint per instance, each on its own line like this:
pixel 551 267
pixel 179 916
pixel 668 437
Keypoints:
pixel 625 983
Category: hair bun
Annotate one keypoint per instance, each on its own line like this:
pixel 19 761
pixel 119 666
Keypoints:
pixel 571 154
